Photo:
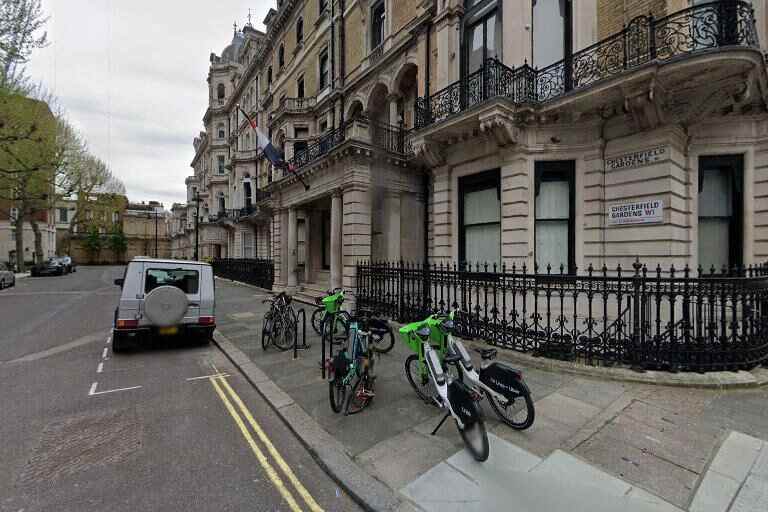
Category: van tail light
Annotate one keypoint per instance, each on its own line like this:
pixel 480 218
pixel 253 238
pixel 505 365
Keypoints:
pixel 127 324
pixel 206 320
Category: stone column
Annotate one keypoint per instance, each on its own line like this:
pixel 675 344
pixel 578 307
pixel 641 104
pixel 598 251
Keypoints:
pixel 336 213
pixel 292 281
pixel 392 224
pixel 307 246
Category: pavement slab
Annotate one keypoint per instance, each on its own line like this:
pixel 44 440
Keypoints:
pixel 736 456
pixel 663 478
pixel 566 410
pixel 753 496
pixel 400 459
pixel 715 493
pixel 444 489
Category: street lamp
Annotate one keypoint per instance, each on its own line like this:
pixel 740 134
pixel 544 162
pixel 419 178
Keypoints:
pixel 197 220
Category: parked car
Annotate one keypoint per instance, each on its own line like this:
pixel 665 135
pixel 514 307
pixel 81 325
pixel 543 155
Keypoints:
pixel 69 265
pixel 51 267
pixel 7 277
pixel 163 298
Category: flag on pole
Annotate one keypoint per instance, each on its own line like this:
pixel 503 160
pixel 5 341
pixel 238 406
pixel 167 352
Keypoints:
pixel 273 154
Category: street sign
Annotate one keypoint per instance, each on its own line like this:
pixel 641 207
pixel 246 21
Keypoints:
pixel 641 212
pixel 635 159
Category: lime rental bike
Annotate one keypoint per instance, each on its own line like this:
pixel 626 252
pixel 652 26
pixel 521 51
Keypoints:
pixel 453 396
pixel 504 386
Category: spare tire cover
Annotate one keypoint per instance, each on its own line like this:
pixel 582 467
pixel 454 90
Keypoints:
pixel 165 305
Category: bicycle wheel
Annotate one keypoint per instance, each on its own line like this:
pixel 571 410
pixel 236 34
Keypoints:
pixel 419 381
pixel 340 331
pixel 266 330
pixel 383 341
pixel 518 412
pixel 360 396
pixel 475 439
pixel 337 392
pixel 284 341
pixel 317 320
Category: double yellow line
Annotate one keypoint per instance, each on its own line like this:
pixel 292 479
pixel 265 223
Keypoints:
pixel 228 397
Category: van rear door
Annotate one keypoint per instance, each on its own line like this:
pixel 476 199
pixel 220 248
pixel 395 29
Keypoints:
pixel 185 277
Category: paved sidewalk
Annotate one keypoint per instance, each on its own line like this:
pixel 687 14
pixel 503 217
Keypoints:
pixel 657 439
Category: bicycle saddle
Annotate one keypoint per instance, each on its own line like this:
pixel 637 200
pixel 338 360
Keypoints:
pixel 448 325
pixel 487 353
pixel 452 359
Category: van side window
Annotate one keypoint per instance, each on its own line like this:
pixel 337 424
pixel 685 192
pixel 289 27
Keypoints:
pixel 185 280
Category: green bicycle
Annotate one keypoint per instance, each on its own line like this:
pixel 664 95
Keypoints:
pixel 504 386
pixel 415 364
pixel 353 368
pixel 329 310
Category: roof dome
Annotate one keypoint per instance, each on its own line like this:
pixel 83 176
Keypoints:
pixel 232 52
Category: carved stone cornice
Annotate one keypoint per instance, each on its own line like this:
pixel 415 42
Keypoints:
pixel 430 152
pixel 501 126
pixel 646 104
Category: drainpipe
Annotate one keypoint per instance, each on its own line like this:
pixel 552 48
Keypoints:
pixel 603 144
pixel 333 62
pixel 342 61
pixel 425 188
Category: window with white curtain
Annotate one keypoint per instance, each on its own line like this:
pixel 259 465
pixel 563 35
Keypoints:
pixel 247 244
pixel 483 36
pixel 551 31
pixel 480 218
pixel 301 242
pixel 720 212
pixel 554 208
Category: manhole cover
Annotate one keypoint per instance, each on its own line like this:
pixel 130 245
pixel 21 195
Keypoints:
pixel 78 443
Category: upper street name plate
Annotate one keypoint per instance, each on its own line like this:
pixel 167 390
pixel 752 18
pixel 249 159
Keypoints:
pixel 635 159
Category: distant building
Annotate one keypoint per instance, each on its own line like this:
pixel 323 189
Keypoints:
pixel 33 154
pixel 145 226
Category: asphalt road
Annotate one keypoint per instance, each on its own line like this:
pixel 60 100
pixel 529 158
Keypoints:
pixel 84 430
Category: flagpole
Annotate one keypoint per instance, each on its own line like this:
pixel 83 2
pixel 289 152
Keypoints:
pixel 274 155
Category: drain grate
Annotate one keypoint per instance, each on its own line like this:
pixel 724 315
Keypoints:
pixel 77 443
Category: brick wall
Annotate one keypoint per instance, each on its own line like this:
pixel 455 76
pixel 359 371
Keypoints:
pixel 612 15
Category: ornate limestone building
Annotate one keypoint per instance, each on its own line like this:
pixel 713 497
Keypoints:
pixel 551 132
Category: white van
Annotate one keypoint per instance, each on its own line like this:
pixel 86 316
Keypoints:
pixel 164 298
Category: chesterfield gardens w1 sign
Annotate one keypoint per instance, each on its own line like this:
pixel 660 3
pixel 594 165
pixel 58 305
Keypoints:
pixel 643 212
pixel 635 159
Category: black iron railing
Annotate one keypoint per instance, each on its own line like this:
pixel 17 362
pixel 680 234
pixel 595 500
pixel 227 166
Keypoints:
pixel 321 147
pixel 701 27
pixel 258 272
pixel 647 318
pixel 389 137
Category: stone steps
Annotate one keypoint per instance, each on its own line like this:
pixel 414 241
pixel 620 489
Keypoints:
pixel 515 480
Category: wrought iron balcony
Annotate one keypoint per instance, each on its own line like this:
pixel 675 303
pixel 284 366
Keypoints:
pixel 710 26
pixel 318 149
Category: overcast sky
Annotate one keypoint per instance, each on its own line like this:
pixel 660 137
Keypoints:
pixel 131 75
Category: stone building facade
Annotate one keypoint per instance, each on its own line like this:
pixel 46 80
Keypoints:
pixel 564 134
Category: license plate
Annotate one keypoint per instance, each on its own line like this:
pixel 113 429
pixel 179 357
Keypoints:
pixel 168 331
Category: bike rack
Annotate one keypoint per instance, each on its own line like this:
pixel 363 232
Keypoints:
pixel 304 345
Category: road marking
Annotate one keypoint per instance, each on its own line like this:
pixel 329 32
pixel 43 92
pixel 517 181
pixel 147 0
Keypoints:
pixel 311 503
pixel 100 368
pixel 104 354
pixel 271 473
pixel 90 338
pixel 109 339
pixel 209 376
pixel 93 391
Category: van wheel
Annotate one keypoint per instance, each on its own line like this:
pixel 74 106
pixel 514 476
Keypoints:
pixel 118 345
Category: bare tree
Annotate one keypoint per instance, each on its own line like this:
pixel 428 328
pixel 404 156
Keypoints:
pixel 21 23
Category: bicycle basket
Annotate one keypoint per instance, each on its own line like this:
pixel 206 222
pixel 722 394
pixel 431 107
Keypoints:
pixel 410 338
pixel 333 302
